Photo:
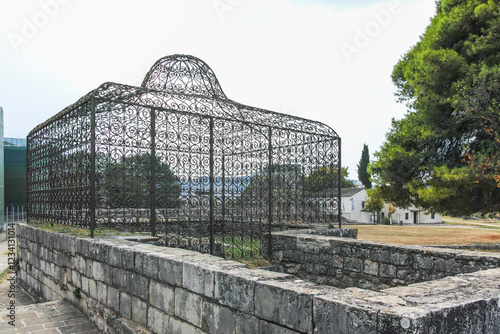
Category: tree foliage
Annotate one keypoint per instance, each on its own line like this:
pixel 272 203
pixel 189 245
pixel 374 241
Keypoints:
pixel 128 183
pixel 442 155
pixel 324 178
pixel 363 175
pixel 289 182
pixel 391 209
pixel 374 202
pixel 479 105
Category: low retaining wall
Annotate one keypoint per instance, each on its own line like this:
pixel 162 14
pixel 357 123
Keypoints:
pixel 120 284
pixel 344 262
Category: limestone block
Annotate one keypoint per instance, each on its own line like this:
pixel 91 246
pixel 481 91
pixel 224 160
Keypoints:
pixel 60 273
pixel 158 321
pixel 407 274
pixel 335 262
pixel 293 255
pixel 353 264
pixel 492 315
pixel 113 298
pixel 400 258
pixel 360 252
pixel 235 288
pixel 313 245
pixel 246 323
pixel 442 264
pixel 198 279
pixel 85 266
pixel 43 253
pixel 138 285
pixel 115 257
pixel 126 305
pixel 119 277
pixel 312 258
pixel 76 278
pixel 218 319
pixel 128 258
pixel 454 268
pixel 85 284
pixel 50 240
pixel 94 250
pixel 402 323
pixel 464 318
pixel 279 301
pixel 179 327
pixel 388 270
pixel 150 266
pixel 162 297
pixel 423 262
pixel 82 247
pixel 65 243
pixel 269 328
pixel 139 262
pixel 102 292
pixel 188 306
pixel 345 250
pixel 98 271
pixel 103 252
pixel 371 268
pixel 169 270
pixel 139 311
pixel 380 254
pixel 334 316
pixel 93 288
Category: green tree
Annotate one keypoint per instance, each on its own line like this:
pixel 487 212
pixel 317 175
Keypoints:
pixel 285 180
pixel 325 178
pixel 363 174
pixel 479 105
pixel 431 157
pixel 127 183
pixel 374 203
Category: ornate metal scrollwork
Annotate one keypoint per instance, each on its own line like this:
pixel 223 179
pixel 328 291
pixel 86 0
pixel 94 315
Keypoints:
pixel 176 158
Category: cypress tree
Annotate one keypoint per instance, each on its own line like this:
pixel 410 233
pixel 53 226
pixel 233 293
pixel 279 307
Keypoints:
pixel 363 175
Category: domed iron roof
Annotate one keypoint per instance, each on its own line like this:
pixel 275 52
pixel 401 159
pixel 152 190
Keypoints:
pixel 183 74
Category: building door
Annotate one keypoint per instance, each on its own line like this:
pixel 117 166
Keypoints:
pixel 415 217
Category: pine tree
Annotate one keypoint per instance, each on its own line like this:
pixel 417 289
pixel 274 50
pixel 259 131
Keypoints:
pixel 363 174
pixel 443 155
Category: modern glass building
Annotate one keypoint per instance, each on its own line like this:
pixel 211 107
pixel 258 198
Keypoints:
pixel 15 172
pixel 12 177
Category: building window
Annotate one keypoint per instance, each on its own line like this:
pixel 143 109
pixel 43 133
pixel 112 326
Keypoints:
pixel 407 216
pixel 433 216
pixel 363 205
pixel 382 215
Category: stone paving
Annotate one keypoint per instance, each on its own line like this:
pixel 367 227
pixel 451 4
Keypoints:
pixel 58 317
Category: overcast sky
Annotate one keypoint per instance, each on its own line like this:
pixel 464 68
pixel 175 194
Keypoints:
pixel 325 60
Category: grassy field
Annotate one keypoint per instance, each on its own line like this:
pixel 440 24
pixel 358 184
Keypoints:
pixel 453 233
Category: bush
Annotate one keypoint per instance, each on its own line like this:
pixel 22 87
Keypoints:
pixel 386 221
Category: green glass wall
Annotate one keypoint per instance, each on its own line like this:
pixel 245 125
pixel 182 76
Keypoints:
pixel 15 172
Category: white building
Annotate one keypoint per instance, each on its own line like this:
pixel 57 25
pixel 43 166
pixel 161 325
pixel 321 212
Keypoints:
pixel 353 204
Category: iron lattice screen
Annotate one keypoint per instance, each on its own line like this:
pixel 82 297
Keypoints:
pixel 176 158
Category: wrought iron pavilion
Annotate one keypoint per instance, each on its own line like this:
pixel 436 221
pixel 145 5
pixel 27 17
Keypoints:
pixel 177 158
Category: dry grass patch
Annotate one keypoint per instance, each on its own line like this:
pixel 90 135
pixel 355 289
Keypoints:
pixel 427 235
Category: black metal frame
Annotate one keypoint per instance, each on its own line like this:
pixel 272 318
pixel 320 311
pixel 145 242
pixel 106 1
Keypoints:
pixel 177 158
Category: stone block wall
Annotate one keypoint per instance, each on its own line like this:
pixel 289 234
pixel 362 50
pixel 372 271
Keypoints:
pixel 151 289
pixel 344 262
